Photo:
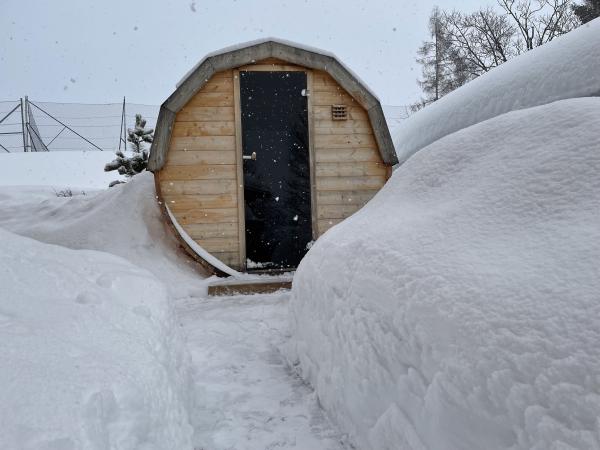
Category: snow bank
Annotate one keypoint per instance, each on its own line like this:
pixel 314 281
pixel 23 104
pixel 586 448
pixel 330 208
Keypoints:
pixel 81 170
pixel 124 220
pixel 460 308
pixel 566 67
pixel 91 355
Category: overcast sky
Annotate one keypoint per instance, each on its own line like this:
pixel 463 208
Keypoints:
pixel 98 51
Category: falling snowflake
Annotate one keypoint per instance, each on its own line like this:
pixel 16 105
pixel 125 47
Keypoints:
pixel 296 218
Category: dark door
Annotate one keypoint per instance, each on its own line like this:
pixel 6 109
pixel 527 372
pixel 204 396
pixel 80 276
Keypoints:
pixel 277 183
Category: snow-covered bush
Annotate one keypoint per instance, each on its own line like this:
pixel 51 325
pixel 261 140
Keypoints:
pixel 91 353
pixel 136 163
pixel 460 308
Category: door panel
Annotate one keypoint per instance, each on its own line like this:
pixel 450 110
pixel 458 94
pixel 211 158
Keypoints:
pixel 274 116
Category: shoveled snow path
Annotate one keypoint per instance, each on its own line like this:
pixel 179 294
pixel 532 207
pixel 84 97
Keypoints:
pixel 247 397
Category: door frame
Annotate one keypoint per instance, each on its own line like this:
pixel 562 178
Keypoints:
pixel 276 67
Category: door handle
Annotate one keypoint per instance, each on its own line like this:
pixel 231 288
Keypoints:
pixel 252 156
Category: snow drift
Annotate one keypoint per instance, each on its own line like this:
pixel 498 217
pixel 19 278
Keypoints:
pixel 460 308
pixel 125 220
pixel 566 67
pixel 91 353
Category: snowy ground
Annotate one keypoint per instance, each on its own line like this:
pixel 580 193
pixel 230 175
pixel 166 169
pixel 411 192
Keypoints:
pixel 92 357
pixel 248 399
pixel 242 393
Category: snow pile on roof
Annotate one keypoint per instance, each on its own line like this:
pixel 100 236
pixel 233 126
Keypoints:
pixel 125 220
pixel 460 308
pixel 91 354
pixel 78 170
pixel 567 67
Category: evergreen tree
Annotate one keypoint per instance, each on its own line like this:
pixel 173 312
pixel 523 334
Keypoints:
pixel 132 165
pixel 440 71
pixel 138 135
pixel 589 10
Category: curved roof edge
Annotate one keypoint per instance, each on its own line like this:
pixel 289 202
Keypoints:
pixel 248 53
pixel 242 45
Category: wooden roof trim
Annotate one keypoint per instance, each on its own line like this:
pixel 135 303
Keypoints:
pixel 256 52
pixel 162 138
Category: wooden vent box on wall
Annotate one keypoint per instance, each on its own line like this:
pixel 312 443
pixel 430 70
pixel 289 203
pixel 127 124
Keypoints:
pixel 339 112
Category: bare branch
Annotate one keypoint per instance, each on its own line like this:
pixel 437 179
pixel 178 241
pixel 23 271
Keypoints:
pixel 465 46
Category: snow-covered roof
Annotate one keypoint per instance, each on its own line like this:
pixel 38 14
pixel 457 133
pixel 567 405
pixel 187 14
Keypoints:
pixel 308 48
pixel 250 52
pixel 567 67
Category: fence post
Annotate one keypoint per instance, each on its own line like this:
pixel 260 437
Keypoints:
pixel 122 134
pixel 23 124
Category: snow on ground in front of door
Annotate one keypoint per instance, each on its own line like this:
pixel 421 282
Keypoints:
pixel 247 399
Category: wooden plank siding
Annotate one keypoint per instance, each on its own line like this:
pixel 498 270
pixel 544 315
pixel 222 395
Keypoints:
pixel 349 169
pixel 188 129
pixel 199 179
pixel 201 182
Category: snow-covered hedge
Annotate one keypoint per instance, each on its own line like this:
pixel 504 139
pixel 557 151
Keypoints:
pixel 567 67
pixel 460 309
pixel 90 352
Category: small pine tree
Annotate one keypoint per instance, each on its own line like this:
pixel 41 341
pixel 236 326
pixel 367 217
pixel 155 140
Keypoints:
pixel 589 10
pixel 138 135
pixel 132 165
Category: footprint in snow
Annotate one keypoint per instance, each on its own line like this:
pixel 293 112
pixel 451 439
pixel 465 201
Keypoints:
pixel 88 298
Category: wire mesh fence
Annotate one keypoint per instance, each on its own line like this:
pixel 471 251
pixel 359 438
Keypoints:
pixel 99 124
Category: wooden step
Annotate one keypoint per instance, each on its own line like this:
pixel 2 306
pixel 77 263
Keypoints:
pixel 260 285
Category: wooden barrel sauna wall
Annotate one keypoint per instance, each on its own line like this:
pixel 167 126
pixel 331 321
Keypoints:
pixel 263 148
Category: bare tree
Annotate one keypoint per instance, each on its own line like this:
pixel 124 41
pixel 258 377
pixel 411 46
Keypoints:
pixel 482 40
pixel 439 63
pixel 539 21
pixel 465 46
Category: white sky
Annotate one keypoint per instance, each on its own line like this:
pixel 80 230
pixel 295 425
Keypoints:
pixel 98 51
